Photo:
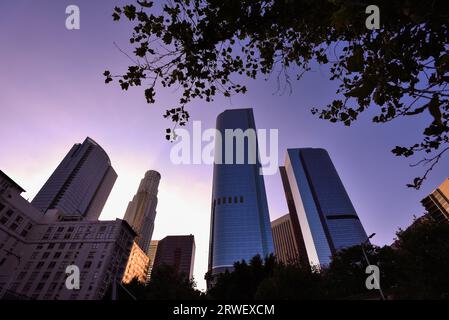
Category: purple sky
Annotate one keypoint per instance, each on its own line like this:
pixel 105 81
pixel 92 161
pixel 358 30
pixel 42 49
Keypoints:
pixel 53 95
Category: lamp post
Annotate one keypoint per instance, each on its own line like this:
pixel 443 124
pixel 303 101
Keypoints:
pixel 367 261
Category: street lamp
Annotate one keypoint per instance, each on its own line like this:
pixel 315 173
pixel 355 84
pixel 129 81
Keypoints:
pixel 367 261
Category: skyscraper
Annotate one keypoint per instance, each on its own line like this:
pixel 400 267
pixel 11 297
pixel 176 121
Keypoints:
pixel 141 211
pixel 178 252
pixel 81 183
pixel 437 203
pixel 285 246
pixel 240 223
pixel 327 218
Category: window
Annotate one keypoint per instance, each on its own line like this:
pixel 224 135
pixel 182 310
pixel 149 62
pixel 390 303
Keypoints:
pixel 40 286
pixel 57 255
pixel 46 275
pixel 241 199
pixel 24 233
pixel 72 246
pixel 87 264
pixel 39 265
pixel 9 213
pixel 70 229
pixel 61 246
pixel 3 220
pixel 230 200
pixel 13 226
pixel 34 255
pixel 219 201
pixel 58 275
pixel 45 255
pixel 51 265
pixel 19 219
pixel 2 206
pixel 236 200
pixel 224 200
pixel 60 229
pixel 99 264
pixel 51 245
pixel 29 226
pixel 39 247
pixel 102 228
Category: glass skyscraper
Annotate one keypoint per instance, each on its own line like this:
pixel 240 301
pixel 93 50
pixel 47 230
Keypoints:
pixel 81 183
pixel 240 223
pixel 327 218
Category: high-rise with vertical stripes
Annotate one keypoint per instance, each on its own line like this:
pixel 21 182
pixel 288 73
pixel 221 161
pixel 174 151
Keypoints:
pixel 81 183
pixel 240 223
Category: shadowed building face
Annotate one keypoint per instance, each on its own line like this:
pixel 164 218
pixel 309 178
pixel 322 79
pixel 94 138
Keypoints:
pixel 178 252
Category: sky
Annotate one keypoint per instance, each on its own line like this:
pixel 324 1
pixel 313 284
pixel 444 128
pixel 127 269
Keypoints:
pixel 53 95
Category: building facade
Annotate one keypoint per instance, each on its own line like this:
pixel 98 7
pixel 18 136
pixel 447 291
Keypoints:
pixel 35 254
pixel 141 211
pixel 81 183
pixel 326 216
pixel 240 223
pixel 137 266
pixel 151 257
pixel 285 247
pixel 178 252
pixel 437 203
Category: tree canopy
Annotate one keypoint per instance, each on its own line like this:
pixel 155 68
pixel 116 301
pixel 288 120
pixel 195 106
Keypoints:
pixel 206 47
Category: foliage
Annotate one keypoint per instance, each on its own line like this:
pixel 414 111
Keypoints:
pixel 202 46
pixel 415 267
pixel 165 284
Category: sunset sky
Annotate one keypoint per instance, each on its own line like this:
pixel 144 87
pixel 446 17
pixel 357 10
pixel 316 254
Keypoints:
pixel 52 95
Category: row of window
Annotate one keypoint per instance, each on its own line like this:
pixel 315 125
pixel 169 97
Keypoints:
pixel 85 232
pixel 14 222
pixel 229 200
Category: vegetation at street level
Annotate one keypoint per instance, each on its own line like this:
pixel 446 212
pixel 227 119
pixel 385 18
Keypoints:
pixel 206 48
pixel 414 267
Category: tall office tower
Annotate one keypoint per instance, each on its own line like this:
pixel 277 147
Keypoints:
pixel 151 257
pixel 285 247
pixel 137 266
pixel 437 203
pixel 141 211
pixel 178 252
pixel 81 183
pixel 326 216
pixel 240 222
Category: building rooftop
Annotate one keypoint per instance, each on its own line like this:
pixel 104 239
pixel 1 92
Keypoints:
pixel 11 181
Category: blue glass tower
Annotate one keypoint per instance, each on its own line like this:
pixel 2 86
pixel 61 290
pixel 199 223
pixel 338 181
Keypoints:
pixel 327 218
pixel 240 222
